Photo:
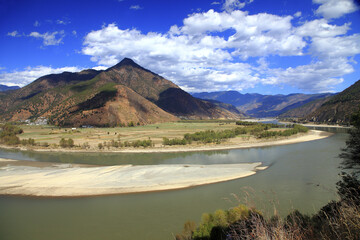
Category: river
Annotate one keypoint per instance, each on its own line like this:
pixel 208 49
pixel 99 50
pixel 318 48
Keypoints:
pixel 300 176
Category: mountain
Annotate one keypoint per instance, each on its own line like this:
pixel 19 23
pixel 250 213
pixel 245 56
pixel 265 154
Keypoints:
pixel 339 108
pixel 306 109
pixel 120 95
pixel 258 105
pixel 4 88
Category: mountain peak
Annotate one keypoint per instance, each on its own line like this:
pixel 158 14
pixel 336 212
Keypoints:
pixel 127 62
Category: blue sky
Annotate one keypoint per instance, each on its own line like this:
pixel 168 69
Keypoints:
pixel 268 47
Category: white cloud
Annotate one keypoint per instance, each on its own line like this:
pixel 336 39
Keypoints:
pixel 135 7
pixel 297 14
pixel 74 33
pixel 231 5
pixel 28 75
pixel 62 22
pixel 321 28
pixel 321 76
pixel 254 35
pixel 336 47
pixel 203 54
pixel 36 23
pixel 49 38
pixel 335 8
pixel 98 68
pixel 14 34
pixel 215 3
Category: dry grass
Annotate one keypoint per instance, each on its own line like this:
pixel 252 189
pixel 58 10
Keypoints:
pixel 94 136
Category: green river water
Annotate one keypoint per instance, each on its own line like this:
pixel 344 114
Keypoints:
pixel 300 176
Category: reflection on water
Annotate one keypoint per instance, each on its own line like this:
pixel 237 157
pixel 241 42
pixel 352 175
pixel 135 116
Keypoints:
pixel 301 176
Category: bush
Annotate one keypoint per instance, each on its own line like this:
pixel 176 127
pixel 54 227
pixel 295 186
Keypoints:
pixel 66 143
pixel 8 134
pixel 29 141
pixel 10 140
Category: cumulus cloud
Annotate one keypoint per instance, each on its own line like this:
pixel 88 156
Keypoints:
pixel 335 8
pixel 211 50
pixel 29 74
pixel 321 28
pixel 54 38
pixel 320 76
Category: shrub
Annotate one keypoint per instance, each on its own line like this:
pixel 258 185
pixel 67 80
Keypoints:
pixel 66 143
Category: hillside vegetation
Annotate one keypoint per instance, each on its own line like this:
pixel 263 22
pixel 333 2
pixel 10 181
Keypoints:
pixel 339 108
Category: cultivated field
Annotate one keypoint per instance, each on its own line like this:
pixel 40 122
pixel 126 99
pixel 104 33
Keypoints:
pixel 94 136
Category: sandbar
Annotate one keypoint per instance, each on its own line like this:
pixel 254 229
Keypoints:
pixel 65 180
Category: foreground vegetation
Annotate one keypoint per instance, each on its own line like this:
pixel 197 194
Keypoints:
pixel 336 220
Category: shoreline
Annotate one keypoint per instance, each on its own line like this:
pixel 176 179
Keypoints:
pixel 76 181
pixel 312 135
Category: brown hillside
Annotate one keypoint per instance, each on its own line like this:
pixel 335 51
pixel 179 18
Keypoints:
pixel 339 108
pixel 122 94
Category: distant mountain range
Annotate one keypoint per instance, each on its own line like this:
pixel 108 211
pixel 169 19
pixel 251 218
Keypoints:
pixel 305 110
pixel 4 88
pixel 258 105
pixel 120 95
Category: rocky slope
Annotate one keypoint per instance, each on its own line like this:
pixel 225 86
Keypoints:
pixel 339 108
pixel 305 110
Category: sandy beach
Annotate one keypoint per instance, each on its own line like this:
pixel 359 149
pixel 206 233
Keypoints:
pixel 64 180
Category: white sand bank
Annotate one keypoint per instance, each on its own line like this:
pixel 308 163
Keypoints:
pixel 6 160
pixel 69 181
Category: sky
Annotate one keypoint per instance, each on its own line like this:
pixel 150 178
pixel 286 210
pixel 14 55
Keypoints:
pixel 252 46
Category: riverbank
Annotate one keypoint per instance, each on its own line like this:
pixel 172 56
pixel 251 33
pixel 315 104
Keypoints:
pixel 67 180
pixel 235 143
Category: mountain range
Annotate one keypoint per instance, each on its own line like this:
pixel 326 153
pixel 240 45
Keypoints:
pixel 260 106
pixel 123 94
pixel 4 88
pixel 130 94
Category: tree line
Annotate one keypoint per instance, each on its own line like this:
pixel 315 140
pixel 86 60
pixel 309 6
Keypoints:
pixel 258 130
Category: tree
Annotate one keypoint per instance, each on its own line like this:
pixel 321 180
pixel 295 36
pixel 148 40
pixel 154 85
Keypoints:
pixel 63 143
pixel 351 153
pixel 70 142
pixel 349 186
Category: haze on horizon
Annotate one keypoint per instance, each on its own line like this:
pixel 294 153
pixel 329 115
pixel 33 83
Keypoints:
pixel 250 46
